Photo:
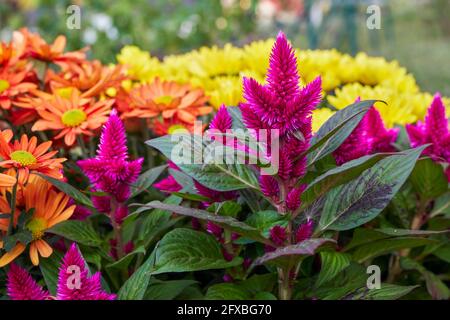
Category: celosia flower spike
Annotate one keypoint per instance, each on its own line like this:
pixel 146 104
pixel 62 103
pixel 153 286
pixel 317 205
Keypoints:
pixel 20 285
pixel 88 287
pixel 110 171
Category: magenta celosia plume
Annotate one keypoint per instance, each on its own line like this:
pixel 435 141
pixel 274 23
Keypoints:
pixel 282 105
pixel 111 171
pixel 370 136
pixel 434 131
pixel 21 286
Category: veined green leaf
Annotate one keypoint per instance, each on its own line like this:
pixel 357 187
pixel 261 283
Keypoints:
pixel 183 250
pixel 353 204
pixel 146 179
pixel 78 231
pixel 69 190
pixel 212 174
pixel 226 222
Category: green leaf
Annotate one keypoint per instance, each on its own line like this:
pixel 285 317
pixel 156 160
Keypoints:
pixel 79 231
pixel 166 290
pixel 332 264
pixel 405 232
pixel 353 204
pixel 146 179
pixel 225 208
pixel 336 129
pixel 50 269
pixel 441 206
pixel 69 190
pixel 265 220
pixel 436 288
pixel 221 177
pixel 386 292
pixel 223 221
pixel 363 236
pixel 299 250
pixel 123 263
pixel 339 175
pixel 24 236
pixel 183 250
pixel 428 179
pixel 136 285
pixel 443 253
pixel 384 246
pixel 227 291
pixel 343 284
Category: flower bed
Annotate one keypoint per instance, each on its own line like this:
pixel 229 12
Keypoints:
pixel 261 172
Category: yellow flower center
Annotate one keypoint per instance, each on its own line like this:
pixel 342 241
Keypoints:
pixel 37 226
pixel 23 157
pixel 65 92
pixel 163 100
pixel 73 118
pixel 4 85
pixel 177 128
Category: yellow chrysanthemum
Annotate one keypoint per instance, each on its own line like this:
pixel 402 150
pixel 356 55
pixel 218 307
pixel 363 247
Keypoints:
pixel 140 65
pixel 218 71
pixel 398 109
pixel 320 116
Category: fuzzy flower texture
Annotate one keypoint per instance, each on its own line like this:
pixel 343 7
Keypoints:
pixel 111 171
pixel 21 286
pixel 434 130
pixel 370 136
pixel 282 105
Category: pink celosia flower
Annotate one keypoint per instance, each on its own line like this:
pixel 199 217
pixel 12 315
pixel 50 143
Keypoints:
pixel 355 146
pixel 111 171
pixel 293 200
pixel 382 139
pixel 168 185
pixel 370 136
pixel 282 105
pixel 434 131
pixel 214 229
pixel 80 213
pixel 304 231
pixel 278 235
pixel 21 286
pixel 222 121
pixel 269 186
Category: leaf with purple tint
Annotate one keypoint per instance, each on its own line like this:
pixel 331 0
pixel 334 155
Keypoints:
pixel 304 248
pixel 226 222
pixel 361 200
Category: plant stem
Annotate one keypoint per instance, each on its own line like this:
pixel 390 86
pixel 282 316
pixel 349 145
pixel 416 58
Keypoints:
pixel 13 204
pixel 284 284
pixel 117 230
pixel 82 145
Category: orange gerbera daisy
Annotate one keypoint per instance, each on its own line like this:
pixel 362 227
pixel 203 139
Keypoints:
pixel 168 99
pixel 74 116
pixel 6 181
pixel 12 84
pixel 37 48
pixel 171 125
pixel 50 208
pixel 27 156
pixel 89 77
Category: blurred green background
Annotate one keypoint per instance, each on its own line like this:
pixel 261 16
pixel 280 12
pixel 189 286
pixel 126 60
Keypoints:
pixel 415 32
